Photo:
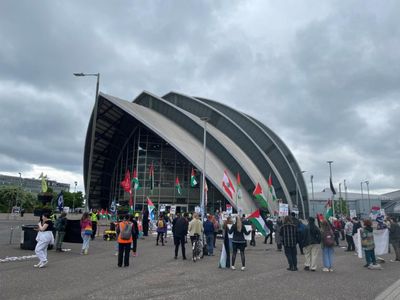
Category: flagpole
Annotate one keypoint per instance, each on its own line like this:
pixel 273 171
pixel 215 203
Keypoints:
pixel 330 177
pixel 137 172
pixel 204 209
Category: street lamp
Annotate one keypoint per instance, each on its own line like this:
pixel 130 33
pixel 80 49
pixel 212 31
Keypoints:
pixel 369 200
pixel 87 186
pixel 202 208
pixel 297 188
pixel 362 196
pixel 20 183
pixel 312 192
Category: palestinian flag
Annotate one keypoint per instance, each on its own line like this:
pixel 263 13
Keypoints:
pixel 178 186
pixel 239 187
pixel 193 181
pixel 228 185
pixel 150 207
pixel 151 177
pixel 126 183
pixel 329 210
pixel 271 188
pixel 258 193
pixel 258 221
pixel 135 180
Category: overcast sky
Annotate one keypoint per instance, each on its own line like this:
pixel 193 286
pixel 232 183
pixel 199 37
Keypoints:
pixel 324 75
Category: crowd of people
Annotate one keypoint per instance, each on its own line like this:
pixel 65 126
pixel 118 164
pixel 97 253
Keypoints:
pixel 288 232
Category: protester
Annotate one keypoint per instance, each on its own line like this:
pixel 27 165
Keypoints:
pixel 278 239
pixel 179 231
pixel 60 227
pixel 125 231
pixel 44 238
pixel 238 242
pixel 214 220
pixel 300 230
pixel 336 230
pixel 270 226
pixel 227 243
pixel 195 228
pixel 160 230
pixel 135 237
pixel 86 232
pixel 145 222
pixel 94 218
pixel 311 243
pixel 348 230
pixel 394 237
pixel 368 244
pixel 288 233
pixel 327 244
pixel 209 232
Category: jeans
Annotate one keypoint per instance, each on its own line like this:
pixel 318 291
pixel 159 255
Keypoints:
pixel 123 253
pixel 160 234
pixel 350 243
pixel 291 255
pixel 179 240
pixel 370 256
pixel 396 247
pixel 210 243
pixel 59 239
pixel 86 240
pixel 327 257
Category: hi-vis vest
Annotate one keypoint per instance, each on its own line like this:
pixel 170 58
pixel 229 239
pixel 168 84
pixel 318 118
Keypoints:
pixel 93 217
pixel 121 229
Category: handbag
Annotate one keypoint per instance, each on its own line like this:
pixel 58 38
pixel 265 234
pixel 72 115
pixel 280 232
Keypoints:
pixel 88 230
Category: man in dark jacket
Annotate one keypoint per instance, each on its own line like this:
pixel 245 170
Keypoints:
pixel 311 241
pixel 288 234
pixel 209 232
pixel 179 230
pixel 270 226
pixel 394 237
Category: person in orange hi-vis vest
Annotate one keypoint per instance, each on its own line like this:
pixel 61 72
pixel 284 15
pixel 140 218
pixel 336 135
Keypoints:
pixel 126 232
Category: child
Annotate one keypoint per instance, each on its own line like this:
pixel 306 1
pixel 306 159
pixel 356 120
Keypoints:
pixel 160 230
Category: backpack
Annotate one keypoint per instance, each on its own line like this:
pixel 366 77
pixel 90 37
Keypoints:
pixel 160 224
pixel 126 234
pixel 328 239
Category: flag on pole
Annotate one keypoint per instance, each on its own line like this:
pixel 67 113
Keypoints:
pixel 258 193
pixel 271 188
pixel 332 188
pixel 178 186
pixel 193 181
pixel 259 222
pixel 228 185
pixel 60 201
pixel 126 183
pixel 329 210
pixel 150 207
pixel 135 180
pixel 239 187
pixel 44 183
pixel 151 177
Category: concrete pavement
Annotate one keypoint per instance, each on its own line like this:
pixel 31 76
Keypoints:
pixel 155 274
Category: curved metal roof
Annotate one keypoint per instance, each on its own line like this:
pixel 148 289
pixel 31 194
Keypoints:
pixel 182 128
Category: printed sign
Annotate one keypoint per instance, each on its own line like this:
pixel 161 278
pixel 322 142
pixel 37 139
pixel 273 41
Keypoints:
pixel 172 210
pixel 229 209
pixel 283 209
pixel 162 207
pixel 197 209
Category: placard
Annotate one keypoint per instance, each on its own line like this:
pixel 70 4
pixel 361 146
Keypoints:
pixel 172 210
pixel 283 209
pixel 229 209
pixel 162 207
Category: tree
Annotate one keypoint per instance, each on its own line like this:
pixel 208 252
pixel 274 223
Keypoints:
pixel 341 207
pixel 12 195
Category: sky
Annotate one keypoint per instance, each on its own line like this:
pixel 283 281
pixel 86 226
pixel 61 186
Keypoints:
pixel 323 75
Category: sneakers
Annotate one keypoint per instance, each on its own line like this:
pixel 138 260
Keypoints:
pixel 43 264
pixel 307 268
pixel 85 252
pixel 330 270
pixel 37 265
pixel 243 268
pixel 233 268
pixel 325 269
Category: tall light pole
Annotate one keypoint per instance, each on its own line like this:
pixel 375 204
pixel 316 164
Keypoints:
pixel 203 181
pixel 87 186
pixel 345 195
pixel 369 200
pixel 312 191
pixel 362 196
pixel 20 184
pixel 330 180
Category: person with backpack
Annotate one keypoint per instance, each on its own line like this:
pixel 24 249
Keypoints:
pixel 60 227
pixel 160 230
pixel 327 244
pixel 311 241
pixel 125 231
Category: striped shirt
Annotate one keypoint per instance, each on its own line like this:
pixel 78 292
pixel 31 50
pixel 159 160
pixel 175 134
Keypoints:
pixel 288 233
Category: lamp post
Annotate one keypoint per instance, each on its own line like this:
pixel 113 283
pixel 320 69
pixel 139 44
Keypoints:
pixel 87 186
pixel 312 191
pixel 20 184
pixel 203 181
pixel 362 196
pixel 369 200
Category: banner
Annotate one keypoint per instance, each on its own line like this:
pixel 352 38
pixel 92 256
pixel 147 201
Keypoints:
pixel 353 213
pixel 381 240
pixel 283 209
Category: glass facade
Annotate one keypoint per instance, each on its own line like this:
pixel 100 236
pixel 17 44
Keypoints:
pixel 145 149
